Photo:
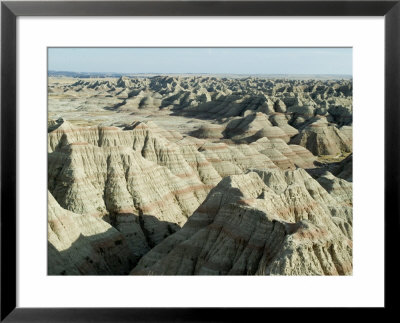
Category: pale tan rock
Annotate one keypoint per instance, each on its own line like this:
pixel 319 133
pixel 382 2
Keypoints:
pixel 345 169
pixel 229 160
pixel 87 245
pixel 239 191
pixel 275 223
pixel 283 155
pixel 255 125
pixel 209 132
pixel 339 188
pixel 323 139
pixel 118 174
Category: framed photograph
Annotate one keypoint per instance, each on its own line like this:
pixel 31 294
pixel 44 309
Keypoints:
pixel 184 160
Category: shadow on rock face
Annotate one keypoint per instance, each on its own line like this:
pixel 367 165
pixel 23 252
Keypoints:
pixel 100 254
pixel 108 253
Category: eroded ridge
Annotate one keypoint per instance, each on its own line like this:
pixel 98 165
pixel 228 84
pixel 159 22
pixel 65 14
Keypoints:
pixel 172 175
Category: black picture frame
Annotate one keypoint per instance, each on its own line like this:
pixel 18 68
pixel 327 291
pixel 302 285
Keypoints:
pixel 10 10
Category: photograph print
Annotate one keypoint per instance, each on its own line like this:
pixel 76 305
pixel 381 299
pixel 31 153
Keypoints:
pixel 200 161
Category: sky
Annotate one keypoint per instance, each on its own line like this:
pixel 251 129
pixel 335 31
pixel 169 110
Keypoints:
pixel 202 60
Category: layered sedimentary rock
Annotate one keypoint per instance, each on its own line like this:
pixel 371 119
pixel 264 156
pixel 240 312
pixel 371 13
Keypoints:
pixel 87 245
pixel 264 223
pixel 209 132
pixel 289 104
pixel 255 125
pixel 337 187
pixel 345 169
pixel 280 120
pixel 283 155
pixel 322 138
pixel 135 179
pixel 198 175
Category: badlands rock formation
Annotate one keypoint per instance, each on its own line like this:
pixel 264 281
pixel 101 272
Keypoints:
pixel 85 245
pixel 199 175
pixel 261 223
pixel 321 138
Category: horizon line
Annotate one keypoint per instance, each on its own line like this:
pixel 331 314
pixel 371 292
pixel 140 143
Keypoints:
pixel 167 73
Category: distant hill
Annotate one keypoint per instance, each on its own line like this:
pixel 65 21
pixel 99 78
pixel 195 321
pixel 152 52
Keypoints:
pixel 82 74
pixel 273 76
